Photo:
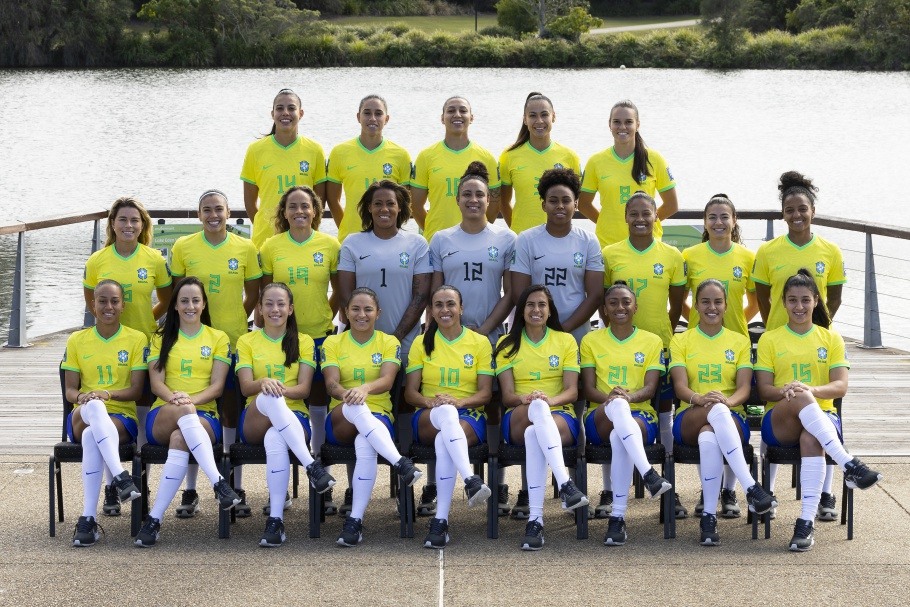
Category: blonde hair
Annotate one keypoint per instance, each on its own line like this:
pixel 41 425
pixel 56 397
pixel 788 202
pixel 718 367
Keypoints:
pixel 145 235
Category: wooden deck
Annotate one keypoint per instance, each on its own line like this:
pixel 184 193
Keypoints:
pixel 876 411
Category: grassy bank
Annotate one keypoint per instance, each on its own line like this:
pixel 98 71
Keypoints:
pixel 465 23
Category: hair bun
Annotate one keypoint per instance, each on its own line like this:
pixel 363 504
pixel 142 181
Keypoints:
pixel 792 179
pixel 478 169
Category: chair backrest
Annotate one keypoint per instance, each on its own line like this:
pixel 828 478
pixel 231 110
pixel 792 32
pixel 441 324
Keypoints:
pixel 67 406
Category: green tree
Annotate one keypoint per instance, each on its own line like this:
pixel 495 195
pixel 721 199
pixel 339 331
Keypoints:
pixel 886 24
pixel 528 15
pixel 574 24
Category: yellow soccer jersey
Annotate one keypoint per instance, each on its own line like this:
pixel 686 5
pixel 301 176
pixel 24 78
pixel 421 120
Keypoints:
pixel 439 169
pixel 306 268
pixel 807 358
pixel 223 270
pixel 521 169
pixel 454 366
pixel 622 363
pixel 733 269
pixel 274 169
pixel 711 363
pixel 106 364
pixel 265 358
pixel 779 259
pixel 650 273
pixel 355 168
pixel 360 363
pixel 611 176
pixel 139 274
pixel 541 366
pixel 189 364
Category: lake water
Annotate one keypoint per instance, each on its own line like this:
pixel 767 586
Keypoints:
pixel 75 141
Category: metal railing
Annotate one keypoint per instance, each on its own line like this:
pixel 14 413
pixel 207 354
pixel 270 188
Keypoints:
pixel 872 332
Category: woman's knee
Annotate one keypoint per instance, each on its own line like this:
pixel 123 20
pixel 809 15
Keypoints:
pixel 443 414
pixel 809 445
pixel 177 441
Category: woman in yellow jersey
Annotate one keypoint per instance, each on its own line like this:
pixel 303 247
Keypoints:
pixel 140 270
pixel 104 372
pixel 188 365
pixel 277 162
pixel 275 369
pixel 722 256
pixel 438 169
pixel 712 374
pixel 360 367
pixel 307 262
pixel 618 172
pixel 355 164
pixel 801 369
pixel 228 266
pixel 778 259
pixel 620 369
pixel 450 378
pixel 656 273
pixel 522 164
pixel 537 367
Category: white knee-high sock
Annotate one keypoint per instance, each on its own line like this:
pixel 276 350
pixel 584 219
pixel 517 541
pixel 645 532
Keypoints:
pixel 811 478
pixel 284 420
pixel 829 479
pixel 171 477
pixel 108 476
pixel 549 440
pixel 822 428
pixel 373 430
pixel 192 473
pixel 445 477
pixel 317 426
pixel 228 438
pixel 364 474
pixel 92 473
pixel 665 421
pixel 772 468
pixel 94 413
pixel 445 419
pixel 536 464
pixel 629 431
pixel 621 468
pixel 712 469
pixel 197 439
pixel 729 441
pixel 729 478
pixel 278 470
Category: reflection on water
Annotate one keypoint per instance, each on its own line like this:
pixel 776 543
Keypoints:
pixel 75 141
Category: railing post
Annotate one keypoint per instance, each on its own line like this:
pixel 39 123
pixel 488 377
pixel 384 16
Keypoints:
pixel 769 229
pixel 872 330
pixel 88 319
pixel 17 324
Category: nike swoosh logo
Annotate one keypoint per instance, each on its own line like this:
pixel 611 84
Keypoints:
pixel 364 256
pixel 277 471
pixel 626 436
pixel 445 478
pixel 192 263
pixel 536 257
pixel 618 495
pixel 532 488
pixel 277 259
pixel 437 169
pixel 776 268
pixel 710 479
pixel 266 167
pixel 360 478
pixel 602 355
pixel 688 356
pixel 521 168
pixel 282 429
pixel 106 274
pixel 368 435
pixel 449 254
pixel 172 478
pixel 732 450
pixel 196 447
pixel 452 440
pixel 102 440
pixel 551 448
pixel 87 356
pixel 95 472
pixel 781 353
pixel 352 167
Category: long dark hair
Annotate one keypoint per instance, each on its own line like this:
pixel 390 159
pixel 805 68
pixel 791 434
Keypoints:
pixel 170 330
pixel 429 337
pixel 280 93
pixel 722 200
pixel 512 341
pixel 290 343
pixel 402 195
pixel 794 182
pixel 281 222
pixel 524 134
pixel 640 164
pixel 803 278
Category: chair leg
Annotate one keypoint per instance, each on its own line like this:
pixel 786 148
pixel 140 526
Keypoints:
pixel 136 504
pixel 766 483
pixel 58 472
pixel 315 508
pixel 493 502
pixel 296 474
pixel 639 485
pixel 668 499
pixel 52 515
pixel 493 522
pixel 581 514
pixel 847 502
pixel 224 517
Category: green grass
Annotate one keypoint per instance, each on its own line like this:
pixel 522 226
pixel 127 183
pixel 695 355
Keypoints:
pixel 461 23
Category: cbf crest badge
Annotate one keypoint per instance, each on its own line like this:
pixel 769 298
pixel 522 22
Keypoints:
pixel 304 166
pixel 823 353
pixel 554 361
pixel 819 267
pixel 123 356
pixel 142 273
pixel 729 355
pixel 658 269
pixel 404 259
pixel 639 358
pixel 737 272
pixel 205 351
pixel 376 358
pixel 318 257
pixel 578 259
pixel 387 169
pixel 468 360
pixel 493 252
